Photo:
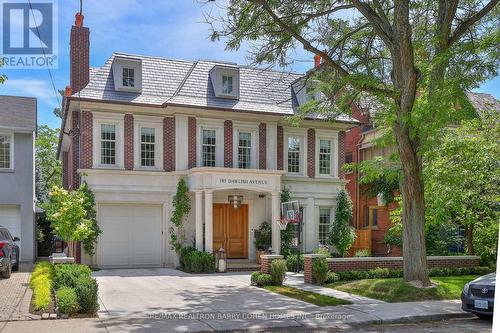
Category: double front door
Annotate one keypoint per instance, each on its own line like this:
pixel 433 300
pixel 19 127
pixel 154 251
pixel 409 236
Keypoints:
pixel 230 230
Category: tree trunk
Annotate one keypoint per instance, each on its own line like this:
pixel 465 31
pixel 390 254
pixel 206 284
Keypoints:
pixel 468 236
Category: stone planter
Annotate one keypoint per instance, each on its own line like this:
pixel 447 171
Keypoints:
pixel 258 253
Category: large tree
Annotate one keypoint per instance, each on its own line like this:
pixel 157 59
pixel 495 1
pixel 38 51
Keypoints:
pixel 48 168
pixel 413 58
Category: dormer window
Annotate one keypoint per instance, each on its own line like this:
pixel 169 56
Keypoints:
pixel 127 74
pixel 227 84
pixel 310 93
pixel 128 77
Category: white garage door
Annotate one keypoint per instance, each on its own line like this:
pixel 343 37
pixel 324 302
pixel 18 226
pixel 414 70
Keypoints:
pixel 10 217
pixel 131 236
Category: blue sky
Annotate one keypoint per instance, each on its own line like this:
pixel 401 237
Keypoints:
pixel 168 28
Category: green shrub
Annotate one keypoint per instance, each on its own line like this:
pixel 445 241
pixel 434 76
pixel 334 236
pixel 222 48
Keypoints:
pixel 263 236
pixel 41 284
pixel 68 274
pixel 323 250
pixel 87 293
pixel 291 262
pixel 194 261
pixel 261 279
pixel 208 261
pixel 362 253
pixel 67 300
pixel 332 277
pixel 278 271
pixel 396 273
pixel 183 256
pixel 320 270
pixel 378 273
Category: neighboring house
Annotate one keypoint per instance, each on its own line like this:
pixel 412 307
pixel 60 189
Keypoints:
pixel 370 219
pixel 137 125
pixel 17 170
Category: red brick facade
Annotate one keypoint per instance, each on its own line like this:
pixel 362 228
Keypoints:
pixel 341 160
pixel 169 144
pixel 228 144
pixel 311 153
pixel 262 146
pixel 191 142
pixel 266 260
pixel 79 57
pixel 75 151
pixel 279 148
pixel 86 137
pixel 128 133
pixel 65 172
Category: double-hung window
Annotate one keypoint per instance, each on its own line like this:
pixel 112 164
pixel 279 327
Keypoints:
pixel 128 77
pixel 147 147
pixel 227 84
pixel 324 224
pixel 325 157
pixel 208 148
pixel 294 154
pixel 244 150
pixel 108 144
pixel 5 151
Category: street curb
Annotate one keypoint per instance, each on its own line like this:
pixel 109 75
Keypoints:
pixel 416 319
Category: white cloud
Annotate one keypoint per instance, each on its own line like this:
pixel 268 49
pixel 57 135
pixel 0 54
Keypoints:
pixel 40 89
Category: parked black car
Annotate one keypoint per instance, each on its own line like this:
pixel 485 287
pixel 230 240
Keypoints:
pixel 478 296
pixel 9 253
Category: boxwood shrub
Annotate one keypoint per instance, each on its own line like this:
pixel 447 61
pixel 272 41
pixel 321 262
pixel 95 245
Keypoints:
pixel 261 279
pixel 67 301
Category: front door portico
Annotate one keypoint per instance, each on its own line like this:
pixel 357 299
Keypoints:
pixel 231 230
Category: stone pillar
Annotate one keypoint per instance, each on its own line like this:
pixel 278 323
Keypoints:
pixel 266 260
pixel 208 221
pixel 199 220
pixel 308 263
pixel 275 215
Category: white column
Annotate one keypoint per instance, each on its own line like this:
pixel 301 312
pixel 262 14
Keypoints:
pixel 310 227
pixel 208 221
pixel 199 220
pixel 275 215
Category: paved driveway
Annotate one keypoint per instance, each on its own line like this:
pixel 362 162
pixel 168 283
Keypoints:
pixel 15 297
pixel 170 300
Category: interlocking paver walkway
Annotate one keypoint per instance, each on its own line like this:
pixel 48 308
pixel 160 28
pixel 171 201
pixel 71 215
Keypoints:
pixel 15 297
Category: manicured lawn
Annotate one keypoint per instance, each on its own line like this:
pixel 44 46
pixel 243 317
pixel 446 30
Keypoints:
pixel 396 290
pixel 306 296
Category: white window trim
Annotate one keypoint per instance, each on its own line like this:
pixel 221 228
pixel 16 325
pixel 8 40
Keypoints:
pixel 253 129
pixel 332 136
pixel 218 127
pixel 11 150
pixel 100 118
pixel 318 214
pixel 118 64
pixel 151 122
pixel 301 133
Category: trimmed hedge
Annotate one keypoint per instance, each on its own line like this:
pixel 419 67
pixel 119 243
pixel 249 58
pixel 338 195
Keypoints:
pixel 67 300
pixel 382 273
pixel 41 284
pixel 261 279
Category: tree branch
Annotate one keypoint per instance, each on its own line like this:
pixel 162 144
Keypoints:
pixel 380 24
pixel 465 25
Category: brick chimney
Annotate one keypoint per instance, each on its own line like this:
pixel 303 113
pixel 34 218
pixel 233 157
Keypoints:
pixel 317 61
pixel 79 55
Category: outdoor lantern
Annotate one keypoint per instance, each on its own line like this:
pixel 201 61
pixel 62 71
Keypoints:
pixel 235 200
pixel 221 260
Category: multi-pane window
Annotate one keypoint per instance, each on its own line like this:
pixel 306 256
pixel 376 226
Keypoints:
pixel 227 84
pixel 244 150
pixel 371 216
pixel 325 157
pixel 324 224
pixel 5 147
pixel 294 154
pixel 208 148
pixel 147 147
pixel 128 77
pixel 108 144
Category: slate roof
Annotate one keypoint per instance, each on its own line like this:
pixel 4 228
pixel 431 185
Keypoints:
pixel 18 113
pixel 178 82
pixel 484 103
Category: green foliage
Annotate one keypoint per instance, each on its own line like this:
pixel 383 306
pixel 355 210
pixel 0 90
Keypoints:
pixel 263 236
pixel 48 168
pixel 87 293
pixel 485 241
pixel 378 273
pixel 194 261
pixel 320 270
pixel 342 235
pixel 291 262
pixel 73 216
pixel 261 279
pixel 182 207
pixel 287 234
pixel 67 275
pixel 324 251
pixel 41 284
pixel 362 253
pixel 278 271
pixel 67 301
pixel 332 277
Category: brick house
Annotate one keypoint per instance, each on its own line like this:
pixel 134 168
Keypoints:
pixel 137 125
pixel 371 219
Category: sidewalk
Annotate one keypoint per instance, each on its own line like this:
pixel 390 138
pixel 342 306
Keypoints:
pixel 346 316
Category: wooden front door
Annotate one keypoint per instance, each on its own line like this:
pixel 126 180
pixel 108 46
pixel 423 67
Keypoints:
pixel 230 230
